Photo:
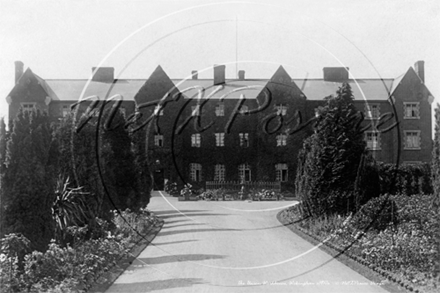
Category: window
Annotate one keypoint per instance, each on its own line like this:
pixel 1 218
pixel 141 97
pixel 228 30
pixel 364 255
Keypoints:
pixel 220 109
pixel 219 172
pixel 411 110
pixel 244 139
pixel 316 112
pixel 158 110
pixel 412 139
pixel 195 140
pixel 158 140
pixel 220 139
pixel 195 110
pixel 281 139
pixel 65 111
pixel 196 172
pixel 244 171
pixel 244 109
pixel 372 111
pixel 281 109
pixel 28 107
pixel 281 172
pixel 373 140
pixel 123 111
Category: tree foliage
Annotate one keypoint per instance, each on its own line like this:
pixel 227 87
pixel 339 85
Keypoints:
pixel 28 185
pixel 333 166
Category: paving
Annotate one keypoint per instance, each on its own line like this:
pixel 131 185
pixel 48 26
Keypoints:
pixel 233 246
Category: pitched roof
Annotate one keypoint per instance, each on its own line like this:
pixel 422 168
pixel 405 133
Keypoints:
pixel 232 89
pixel 72 89
pixel 313 89
pixel 369 89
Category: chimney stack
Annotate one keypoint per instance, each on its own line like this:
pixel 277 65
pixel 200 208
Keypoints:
pixel 18 70
pixel 219 74
pixel 241 74
pixel 419 67
pixel 336 74
pixel 194 74
pixel 103 74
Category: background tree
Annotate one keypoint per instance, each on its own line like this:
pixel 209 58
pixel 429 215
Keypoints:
pixel 330 165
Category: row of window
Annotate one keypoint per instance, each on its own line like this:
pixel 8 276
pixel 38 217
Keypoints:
pixel 196 140
pixel 411 139
pixel 220 109
pixel 244 172
pixel 411 110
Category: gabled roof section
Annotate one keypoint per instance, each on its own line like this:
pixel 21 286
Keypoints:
pixel 409 74
pixel 155 87
pixel 281 76
pixel 27 78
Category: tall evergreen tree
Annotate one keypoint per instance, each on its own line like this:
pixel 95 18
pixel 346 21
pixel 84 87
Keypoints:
pixel 329 161
pixel 436 155
pixel 28 180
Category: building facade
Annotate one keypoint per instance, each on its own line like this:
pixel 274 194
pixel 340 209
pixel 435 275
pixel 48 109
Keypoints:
pixel 240 129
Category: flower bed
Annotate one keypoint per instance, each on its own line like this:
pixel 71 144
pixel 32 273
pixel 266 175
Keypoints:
pixel 70 269
pixel 404 251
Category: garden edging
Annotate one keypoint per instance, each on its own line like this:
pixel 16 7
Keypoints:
pixel 105 280
pixel 335 250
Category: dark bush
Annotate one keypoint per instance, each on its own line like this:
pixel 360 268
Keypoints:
pixel 405 179
pixel 378 213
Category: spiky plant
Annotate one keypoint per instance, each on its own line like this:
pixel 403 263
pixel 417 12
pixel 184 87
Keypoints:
pixel 69 208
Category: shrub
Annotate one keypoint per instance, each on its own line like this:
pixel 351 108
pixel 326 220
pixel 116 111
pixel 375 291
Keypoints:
pixel 377 214
pixel 405 179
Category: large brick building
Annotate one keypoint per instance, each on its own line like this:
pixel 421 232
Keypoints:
pixel 242 129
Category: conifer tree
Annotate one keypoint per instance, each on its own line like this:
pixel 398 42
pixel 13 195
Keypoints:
pixel 28 180
pixel 329 162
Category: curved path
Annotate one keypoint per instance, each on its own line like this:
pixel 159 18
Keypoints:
pixel 232 246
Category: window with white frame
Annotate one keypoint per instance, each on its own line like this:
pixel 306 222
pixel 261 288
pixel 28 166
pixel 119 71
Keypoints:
pixel 158 110
pixel 219 172
pixel 158 140
pixel 195 110
pixel 281 139
pixel 195 172
pixel 220 139
pixel 196 140
pixel 244 139
pixel 372 111
pixel 244 171
pixel 281 172
pixel 412 139
pixel 28 107
pixel 220 109
pixel 373 140
pixel 411 110
pixel 65 111
pixel 281 109
pixel 244 109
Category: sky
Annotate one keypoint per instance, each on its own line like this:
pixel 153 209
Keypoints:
pixel 65 39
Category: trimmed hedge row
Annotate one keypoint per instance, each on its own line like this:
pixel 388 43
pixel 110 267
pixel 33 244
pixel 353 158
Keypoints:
pixel 405 179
